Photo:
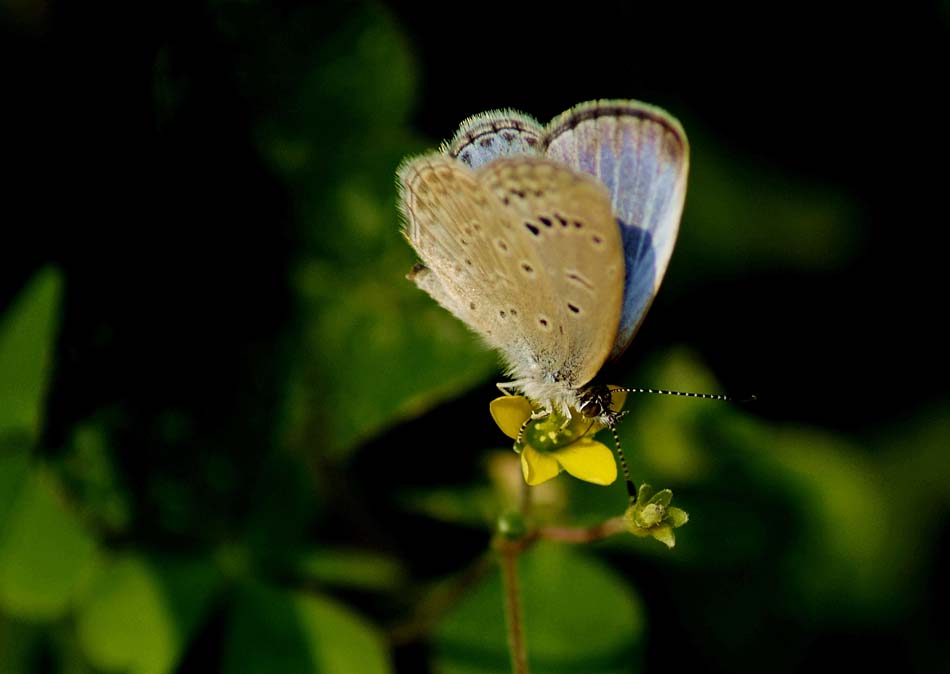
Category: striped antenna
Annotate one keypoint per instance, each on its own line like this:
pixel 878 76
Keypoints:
pixel 631 487
pixel 706 396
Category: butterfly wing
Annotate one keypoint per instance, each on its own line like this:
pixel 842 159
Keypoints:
pixel 497 133
pixel 525 251
pixel 641 155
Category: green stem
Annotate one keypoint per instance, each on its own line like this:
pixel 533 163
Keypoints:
pixel 508 555
pixel 508 551
pixel 611 527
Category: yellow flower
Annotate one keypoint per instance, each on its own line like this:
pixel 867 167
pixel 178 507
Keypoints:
pixel 549 445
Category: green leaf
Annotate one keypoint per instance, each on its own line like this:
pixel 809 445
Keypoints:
pixel 27 335
pixel 319 120
pixel 87 470
pixel 45 554
pixel 142 612
pixel 362 325
pixel 14 470
pixel 357 569
pixel 660 433
pixel 579 616
pixel 476 506
pixel 21 645
pixel 276 631
pixel 849 522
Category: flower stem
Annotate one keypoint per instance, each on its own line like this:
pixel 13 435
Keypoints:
pixel 508 556
pixel 611 527
pixel 508 550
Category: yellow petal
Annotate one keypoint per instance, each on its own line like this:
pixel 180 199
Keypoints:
pixel 588 460
pixel 538 466
pixel 510 412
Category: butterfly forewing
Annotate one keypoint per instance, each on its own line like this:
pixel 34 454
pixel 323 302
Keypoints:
pixel 527 252
pixel 641 156
pixel 436 194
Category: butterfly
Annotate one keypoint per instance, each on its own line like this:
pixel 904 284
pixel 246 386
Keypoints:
pixel 550 242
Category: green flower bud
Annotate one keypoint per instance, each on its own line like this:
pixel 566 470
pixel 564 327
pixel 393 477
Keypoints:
pixel 653 516
pixel 511 525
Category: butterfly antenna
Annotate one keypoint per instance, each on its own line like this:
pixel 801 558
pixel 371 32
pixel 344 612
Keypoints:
pixel 631 487
pixel 706 396
pixel 521 431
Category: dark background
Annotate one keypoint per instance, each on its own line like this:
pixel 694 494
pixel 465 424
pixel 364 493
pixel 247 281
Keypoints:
pixel 136 143
pixel 848 99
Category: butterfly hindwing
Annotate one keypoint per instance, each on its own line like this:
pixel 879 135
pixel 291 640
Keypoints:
pixel 490 135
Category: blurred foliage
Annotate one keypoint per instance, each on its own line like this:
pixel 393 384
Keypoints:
pixel 151 544
pixel 26 348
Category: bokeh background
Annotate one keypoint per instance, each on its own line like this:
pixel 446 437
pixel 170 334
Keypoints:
pixel 234 438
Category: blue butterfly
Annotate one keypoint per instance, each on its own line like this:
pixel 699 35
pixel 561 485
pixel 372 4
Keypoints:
pixel 550 241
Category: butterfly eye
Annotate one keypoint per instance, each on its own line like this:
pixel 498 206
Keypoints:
pixel 596 402
pixel 591 409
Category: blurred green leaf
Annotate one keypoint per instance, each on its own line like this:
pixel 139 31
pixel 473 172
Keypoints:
pixel 321 122
pixel 913 463
pixel 381 350
pixel 286 504
pixel 336 145
pixel 662 431
pixel 14 469
pixel 579 617
pixel 141 613
pixel 913 458
pixel 479 506
pixel 27 339
pixel 276 631
pixel 20 644
pixel 87 471
pixel 476 506
pixel 846 525
pixel 351 568
pixel 45 553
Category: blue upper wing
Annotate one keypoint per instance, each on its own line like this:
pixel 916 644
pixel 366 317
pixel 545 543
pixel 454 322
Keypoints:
pixel 641 155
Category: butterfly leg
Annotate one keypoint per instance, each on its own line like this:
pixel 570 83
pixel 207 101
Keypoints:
pixel 542 413
pixel 566 413
pixel 506 387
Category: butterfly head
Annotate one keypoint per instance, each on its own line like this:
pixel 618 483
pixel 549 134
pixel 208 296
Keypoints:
pixel 601 403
